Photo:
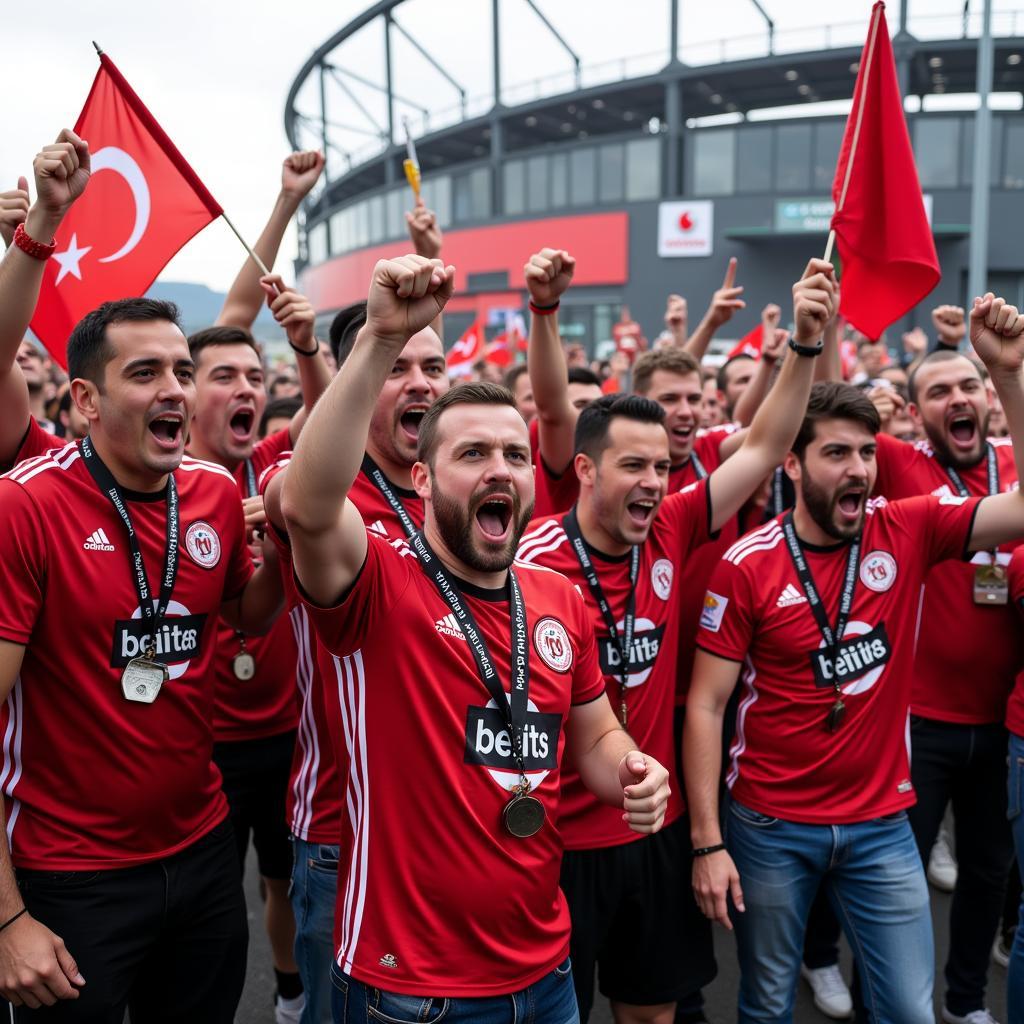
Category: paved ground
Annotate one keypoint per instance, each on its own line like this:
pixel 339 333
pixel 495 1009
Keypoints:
pixel 721 995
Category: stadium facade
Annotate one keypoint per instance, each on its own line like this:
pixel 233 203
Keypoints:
pixel 655 177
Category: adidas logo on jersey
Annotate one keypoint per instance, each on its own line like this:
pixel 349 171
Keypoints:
pixel 98 541
pixel 790 595
pixel 449 626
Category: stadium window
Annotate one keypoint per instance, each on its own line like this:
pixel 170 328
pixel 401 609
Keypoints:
pixel 714 162
pixel 515 187
pixel 1014 176
pixel 612 179
pixel 967 152
pixel 754 159
pixel 473 195
pixel 559 181
pixel 793 158
pixel 316 241
pixel 394 223
pixel 937 149
pixel 361 212
pixel 582 177
pixel 437 194
pixel 643 169
pixel 537 184
pixel 341 240
pixel 375 219
pixel 828 137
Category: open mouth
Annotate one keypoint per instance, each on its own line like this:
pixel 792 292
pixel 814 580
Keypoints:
pixel 850 504
pixel 494 516
pixel 683 433
pixel 641 511
pixel 963 430
pixel 167 430
pixel 410 421
pixel 241 424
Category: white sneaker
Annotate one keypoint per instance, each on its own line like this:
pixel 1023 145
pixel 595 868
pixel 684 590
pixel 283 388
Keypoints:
pixel 831 995
pixel 942 865
pixel 975 1017
pixel 288 1011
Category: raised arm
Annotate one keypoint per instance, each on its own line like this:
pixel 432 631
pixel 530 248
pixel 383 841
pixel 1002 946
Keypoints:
pixel 997 334
pixel 773 346
pixel 298 175
pixel 14 206
pixel 677 320
pixel 724 304
pixel 61 173
pixel 828 365
pixel 425 235
pixel 548 274
pixel 327 533
pixel 775 426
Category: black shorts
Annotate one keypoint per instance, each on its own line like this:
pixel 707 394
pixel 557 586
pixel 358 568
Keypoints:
pixel 256 774
pixel 635 920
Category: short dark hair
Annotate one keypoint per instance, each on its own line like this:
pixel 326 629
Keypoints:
pixel 939 355
pixel 513 373
pixel 89 350
pixel 595 420
pixel 344 328
pixel 224 334
pixel 723 374
pixel 835 400
pixel 583 375
pixel 671 360
pixel 478 392
pixel 278 408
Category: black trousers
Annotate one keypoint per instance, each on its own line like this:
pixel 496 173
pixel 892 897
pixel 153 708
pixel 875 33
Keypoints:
pixel 167 940
pixel 965 764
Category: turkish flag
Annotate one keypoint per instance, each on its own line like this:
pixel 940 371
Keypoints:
pixel 748 345
pixel 142 204
pixel 469 349
pixel 888 254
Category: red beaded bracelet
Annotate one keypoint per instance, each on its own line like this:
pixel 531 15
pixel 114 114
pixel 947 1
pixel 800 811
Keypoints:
pixel 544 310
pixel 27 244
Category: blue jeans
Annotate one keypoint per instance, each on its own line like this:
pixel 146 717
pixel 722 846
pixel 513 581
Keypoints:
pixel 552 1000
pixel 313 892
pixel 1015 788
pixel 875 881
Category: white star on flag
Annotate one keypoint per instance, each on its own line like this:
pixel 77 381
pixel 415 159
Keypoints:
pixel 70 258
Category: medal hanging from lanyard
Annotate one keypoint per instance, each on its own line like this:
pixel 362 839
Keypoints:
pixel 142 677
pixel 243 664
pixel 523 815
pixel 832 637
pixel 381 482
pixel 624 640
pixel 991 585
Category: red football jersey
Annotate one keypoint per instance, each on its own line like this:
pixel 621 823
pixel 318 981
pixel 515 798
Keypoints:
pixel 681 525
pixel 265 705
pixel 36 441
pixel 376 512
pixel 92 780
pixel 957 639
pixel 430 768
pixel 1015 705
pixel 784 761
pixel 553 494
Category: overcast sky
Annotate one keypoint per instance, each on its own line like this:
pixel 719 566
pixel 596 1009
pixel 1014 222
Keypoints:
pixel 216 72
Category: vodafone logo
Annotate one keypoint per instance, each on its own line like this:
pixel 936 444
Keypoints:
pixel 685 221
pixel 552 644
pixel 203 544
pixel 878 571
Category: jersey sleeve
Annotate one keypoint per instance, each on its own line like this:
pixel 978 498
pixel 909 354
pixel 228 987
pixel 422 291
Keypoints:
pixel 270 449
pixel 726 626
pixel 23 556
pixel 381 582
pixel 35 442
pixel 554 494
pixel 943 524
pixel 707 446
pixel 686 515
pixel 587 680
pixel 897 463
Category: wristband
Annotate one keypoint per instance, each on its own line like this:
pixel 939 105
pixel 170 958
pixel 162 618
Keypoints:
pixel 543 310
pixel 28 245
pixel 303 352
pixel 11 920
pixel 807 350
pixel 703 851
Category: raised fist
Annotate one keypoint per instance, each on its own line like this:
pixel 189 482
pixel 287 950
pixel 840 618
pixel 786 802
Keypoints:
pixel 950 324
pixel 548 274
pixel 887 401
pixel 773 344
pixel 915 341
pixel 292 311
pixel 13 210
pixel 424 230
pixel 726 300
pixel 676 313
pixel 814 301
pixel 61 171
pixel 406 294
pixel 299 173
pixel 997 334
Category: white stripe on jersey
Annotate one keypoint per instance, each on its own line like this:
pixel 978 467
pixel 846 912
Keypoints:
pixel 762 542
pixel 190 465
pixel 305 783
pixel 740 744
pixel 12 755
pixel 542 535
pixel 53 459
pixel 281 461
pixel 753 537
pixel 536 549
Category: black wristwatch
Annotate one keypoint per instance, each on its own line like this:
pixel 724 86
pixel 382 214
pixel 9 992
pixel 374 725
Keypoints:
pixel 807 350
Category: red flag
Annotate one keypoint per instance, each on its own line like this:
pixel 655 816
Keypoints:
pixel 888 254
pixel 142 204
pixel 498 351
pixel 749 344
pixel 469 349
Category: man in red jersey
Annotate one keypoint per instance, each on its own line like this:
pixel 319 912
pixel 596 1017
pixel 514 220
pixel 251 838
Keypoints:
pixel 628 548
pixel 118 557
pixel 967 630
pixel 495 659
pixel 1015 788
pixel 819 606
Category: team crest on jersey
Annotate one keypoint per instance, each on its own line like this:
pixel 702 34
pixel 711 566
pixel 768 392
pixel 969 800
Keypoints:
pixel 661 578
pixel 203 544
pixel 552 643
pixel 878 571
pixel 713 611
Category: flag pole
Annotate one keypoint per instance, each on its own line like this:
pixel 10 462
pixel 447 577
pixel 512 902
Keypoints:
pixel 875 16
pixel 248 248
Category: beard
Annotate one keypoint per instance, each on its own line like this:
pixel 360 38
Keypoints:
pixel 455 526
pixel 821 507
pixel 959 460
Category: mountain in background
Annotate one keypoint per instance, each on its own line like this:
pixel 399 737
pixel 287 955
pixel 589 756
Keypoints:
pixel 200 305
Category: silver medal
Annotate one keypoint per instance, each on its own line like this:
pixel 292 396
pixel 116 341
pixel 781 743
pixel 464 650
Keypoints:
pixel 243 665
pixel 141 680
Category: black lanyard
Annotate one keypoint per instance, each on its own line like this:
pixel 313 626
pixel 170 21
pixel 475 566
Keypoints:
pixel 376 475
pixel 512 706
pixel 993 475
pixel 251 487
pixel 698 466
pixel 623 641
pixel 778 494
pixel 108 485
